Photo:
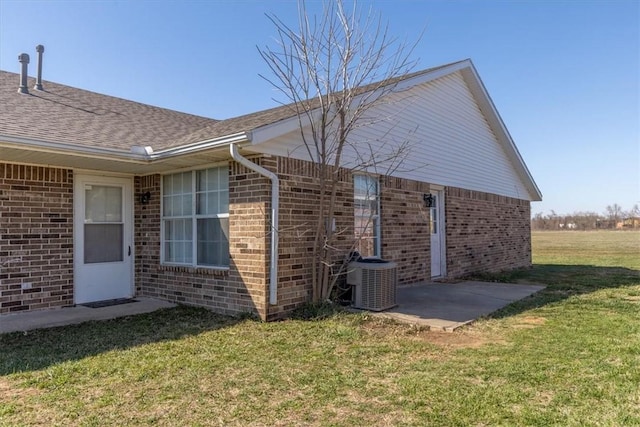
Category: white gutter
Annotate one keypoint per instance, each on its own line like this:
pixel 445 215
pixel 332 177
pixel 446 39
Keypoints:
pixel 67 148
pixel 275 207
pixel 199 146
pixel 140 155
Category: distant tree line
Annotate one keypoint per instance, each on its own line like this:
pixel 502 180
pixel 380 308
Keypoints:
pixel 614 218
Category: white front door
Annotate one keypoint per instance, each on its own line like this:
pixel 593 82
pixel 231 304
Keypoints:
pixel 103 238
pixel 438 253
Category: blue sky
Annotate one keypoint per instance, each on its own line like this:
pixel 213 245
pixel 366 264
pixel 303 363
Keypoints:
pixel 564 75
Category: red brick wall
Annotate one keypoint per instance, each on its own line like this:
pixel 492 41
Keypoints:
pixel 299 210
pixel 36 237
pixel 486 232
pixel 405 228
pixel 241 288
pixel 245 286
pixel 249 237
pixel 493 229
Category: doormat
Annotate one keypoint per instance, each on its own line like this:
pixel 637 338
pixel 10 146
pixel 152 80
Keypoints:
pixel 109 302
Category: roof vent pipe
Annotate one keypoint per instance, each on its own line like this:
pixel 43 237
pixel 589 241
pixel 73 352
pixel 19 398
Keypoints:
pixel 40 50
pixel 24 60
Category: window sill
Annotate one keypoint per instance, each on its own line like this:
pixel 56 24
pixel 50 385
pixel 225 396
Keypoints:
pixel 205 271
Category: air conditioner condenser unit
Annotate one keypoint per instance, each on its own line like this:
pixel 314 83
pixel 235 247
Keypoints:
pixel 374 284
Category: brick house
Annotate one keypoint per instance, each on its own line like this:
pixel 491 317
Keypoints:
pixel 103 198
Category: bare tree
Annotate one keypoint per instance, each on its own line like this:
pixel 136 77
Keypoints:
pixel 332 70
pixel 614 213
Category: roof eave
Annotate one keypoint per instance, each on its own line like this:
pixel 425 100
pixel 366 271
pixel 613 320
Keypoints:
pixel 66 148
pixel 120 155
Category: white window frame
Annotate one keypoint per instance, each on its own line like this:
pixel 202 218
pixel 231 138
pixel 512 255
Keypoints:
pixel 376 218
pixel 194 220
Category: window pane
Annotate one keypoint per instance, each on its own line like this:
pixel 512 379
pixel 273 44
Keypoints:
pixel 178 229
pixel 168 228
pixel 103 243
pixel 212 191
pixel 167 206
pixel 188 250
pixel 223 178
pixel 213 241
pixel 176 205
pixel 167 185
pixel 366 215
pixel 201 203
pixel 201 181
pixel 211 199
pixel 434 215
pixel 187 207
pixel 177 194
pixel 103 204
pixel 174 252
pixel 178 236
pixel 365 187
pixel 186 182
pixel 224 201
pixel 212 203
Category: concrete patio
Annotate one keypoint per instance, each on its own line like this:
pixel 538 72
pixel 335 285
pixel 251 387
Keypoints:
pixel 448 306
pixel 439 306
pixel 78 314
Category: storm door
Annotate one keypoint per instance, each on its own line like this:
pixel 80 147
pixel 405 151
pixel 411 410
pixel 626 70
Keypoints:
pixel 103 259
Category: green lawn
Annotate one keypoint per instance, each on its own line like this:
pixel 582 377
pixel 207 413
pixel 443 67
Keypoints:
pixel 568 356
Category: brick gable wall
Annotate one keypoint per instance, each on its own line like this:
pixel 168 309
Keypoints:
pixel 36 237
pixel 486 232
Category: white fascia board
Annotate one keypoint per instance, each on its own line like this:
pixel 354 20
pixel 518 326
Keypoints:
pixel 490 112
pixel 66 148
pixel 432 75
pixel 119 155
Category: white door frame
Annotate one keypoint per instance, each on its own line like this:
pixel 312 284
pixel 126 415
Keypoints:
pixel 79 182
pixel 441 255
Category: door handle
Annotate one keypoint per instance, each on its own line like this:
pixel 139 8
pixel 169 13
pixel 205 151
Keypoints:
pixel 129 250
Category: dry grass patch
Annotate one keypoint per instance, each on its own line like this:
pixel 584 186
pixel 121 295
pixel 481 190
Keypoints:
pixel 10 391
pixel 462 338
pixel 529 322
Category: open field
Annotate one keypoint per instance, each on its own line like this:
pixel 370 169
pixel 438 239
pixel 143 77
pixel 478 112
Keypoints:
pixel 601 248
pixel 568 356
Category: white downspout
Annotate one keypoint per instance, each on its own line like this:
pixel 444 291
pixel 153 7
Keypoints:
pixel 275 208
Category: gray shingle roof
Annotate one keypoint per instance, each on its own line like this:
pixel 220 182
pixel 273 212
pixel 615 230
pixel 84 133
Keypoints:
pixel 69 115
pixel 75 116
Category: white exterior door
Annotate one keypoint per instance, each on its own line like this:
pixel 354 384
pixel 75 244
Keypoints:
pixel 438 252
pixel 103 238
